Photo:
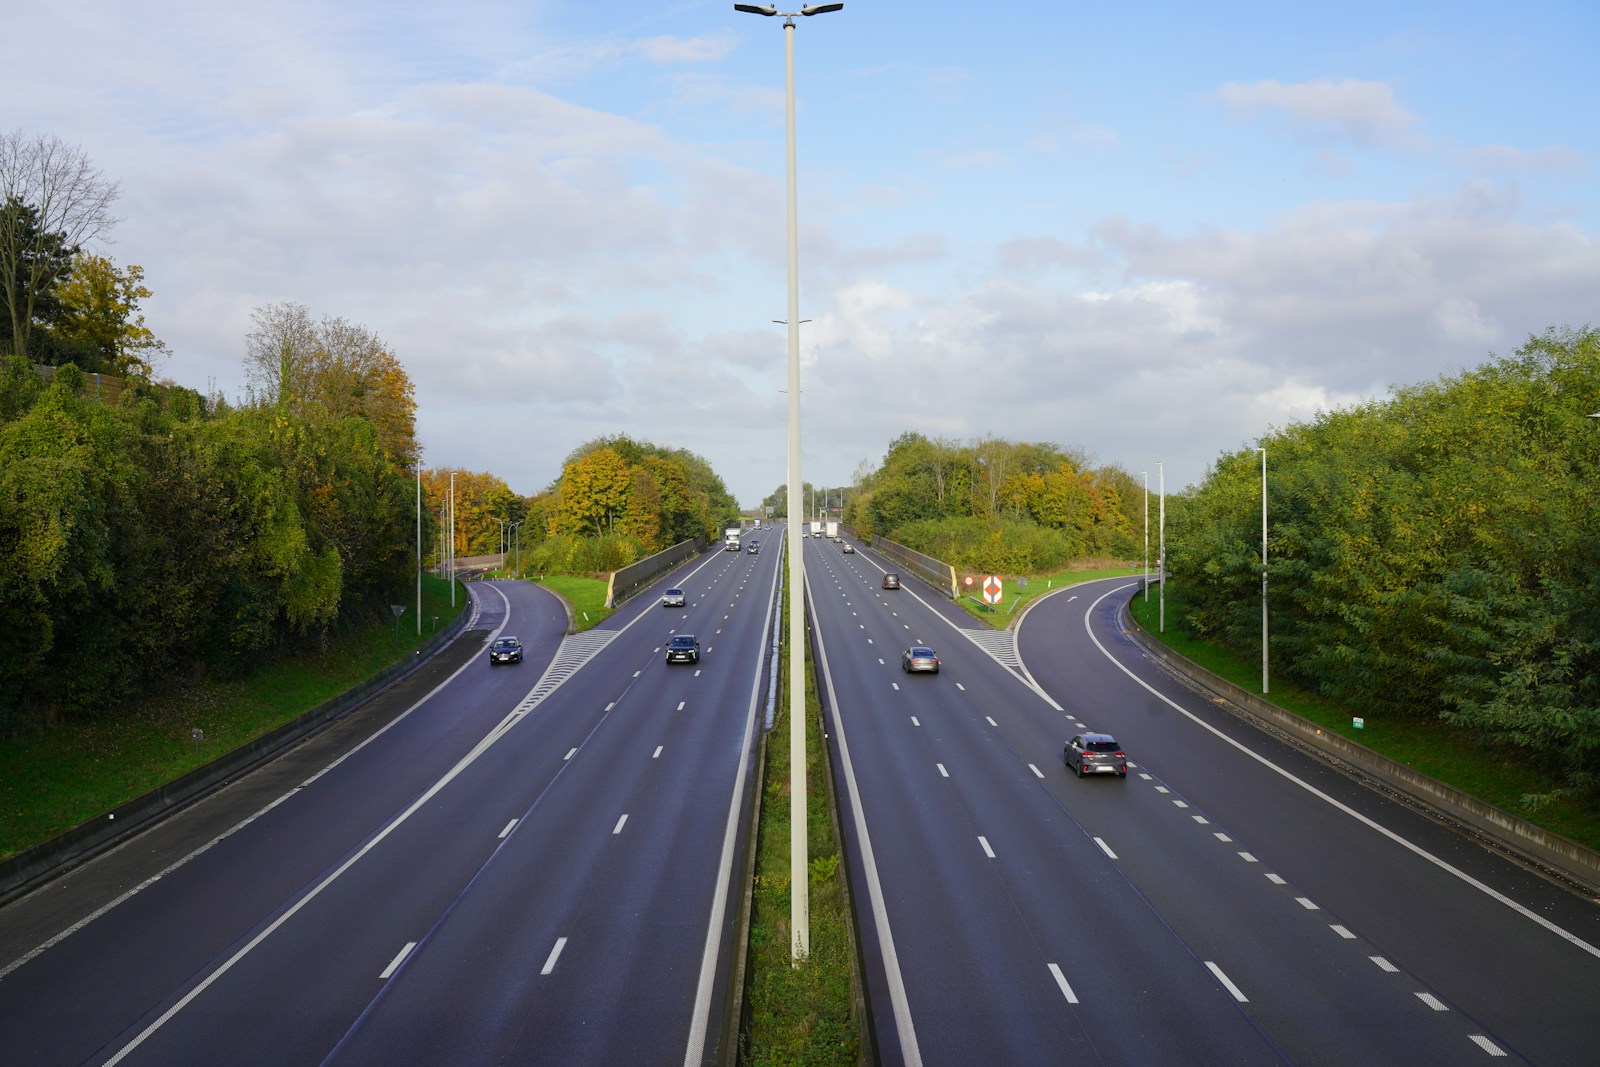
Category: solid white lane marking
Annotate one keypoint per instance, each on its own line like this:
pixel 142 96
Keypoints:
pixel 617 829
pixel 942 771
pixel 1488 1046
pixel 1433 1002
pixel 400 957
pixel 984 841
pixel 1335 803
pixel 555 954
pixel 1343 932
pixel 509 827
pixel 1037 773
pixel 1227 982
pixel 1307 903
pixel 570 753
pixel 1061 980
pixel 1105 848
pixel 657 753
pixel 1384 964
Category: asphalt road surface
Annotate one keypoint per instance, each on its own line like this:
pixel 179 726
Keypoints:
pixel 532 863
pixel 1233 900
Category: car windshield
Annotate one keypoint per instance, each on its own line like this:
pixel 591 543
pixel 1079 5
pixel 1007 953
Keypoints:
pixel 506 642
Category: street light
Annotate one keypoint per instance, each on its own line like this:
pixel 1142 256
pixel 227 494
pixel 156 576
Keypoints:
pixel 1146 535
pixel 799 859
pixel 1263 452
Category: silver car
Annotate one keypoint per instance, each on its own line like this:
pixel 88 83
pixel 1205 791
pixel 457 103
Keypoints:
pixel 672 598
pixel 1095 754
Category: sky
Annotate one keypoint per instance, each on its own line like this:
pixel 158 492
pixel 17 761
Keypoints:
pixel 1146 232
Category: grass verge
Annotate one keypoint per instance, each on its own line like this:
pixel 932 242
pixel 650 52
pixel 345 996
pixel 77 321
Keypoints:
pixel 1018 591
pixel 1428 746
pixel 799 1014
pixel 586 595
pixel 52 780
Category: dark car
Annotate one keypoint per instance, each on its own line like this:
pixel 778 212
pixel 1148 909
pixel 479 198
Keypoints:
pixel 754 549
pixel 505 650
pixel 891 581
pixel 672 598
pixel 919 658
pixel 848 547
pixel 683 648
pixel 1095 754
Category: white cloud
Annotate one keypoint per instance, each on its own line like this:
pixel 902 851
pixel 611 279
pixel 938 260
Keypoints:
pixel 1362 113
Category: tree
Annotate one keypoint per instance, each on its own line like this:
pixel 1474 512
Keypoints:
pixel 52 202
pixel 280 354
pixel 100 327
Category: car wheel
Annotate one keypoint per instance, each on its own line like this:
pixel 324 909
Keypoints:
pixel 1080 770
pixel 1122 774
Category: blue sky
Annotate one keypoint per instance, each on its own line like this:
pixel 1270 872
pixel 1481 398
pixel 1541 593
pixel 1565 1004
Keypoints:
pixel 1150 233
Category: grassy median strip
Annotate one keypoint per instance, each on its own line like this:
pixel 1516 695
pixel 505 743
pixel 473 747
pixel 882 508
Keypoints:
pixel 1015 592
pixel 1500 777
pixel 799 1014
pixel 53 779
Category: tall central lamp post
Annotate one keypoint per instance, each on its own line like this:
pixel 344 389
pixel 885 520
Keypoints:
pixel 799 859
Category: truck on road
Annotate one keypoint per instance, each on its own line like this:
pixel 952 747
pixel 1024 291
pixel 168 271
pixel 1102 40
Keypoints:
pixel 833 530
pixel 730 539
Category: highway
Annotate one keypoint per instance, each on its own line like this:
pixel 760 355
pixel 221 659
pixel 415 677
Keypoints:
pixel 529 863
pixel 1233 900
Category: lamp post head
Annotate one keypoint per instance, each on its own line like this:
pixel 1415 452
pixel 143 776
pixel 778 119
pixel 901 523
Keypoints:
pixel 820 9
pixel 757 9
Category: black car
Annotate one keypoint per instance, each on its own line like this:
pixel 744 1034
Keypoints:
pixel 1095 754
pixel 683 648
pixel 919 658
pixel 891 581
pixel 505 650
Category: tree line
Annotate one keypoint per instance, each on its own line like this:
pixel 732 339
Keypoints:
pixel 1432 555
pixel 996 506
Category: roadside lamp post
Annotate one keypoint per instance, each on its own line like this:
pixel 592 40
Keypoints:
pixel 501 544
pixel 1146 535
pixel 516 530
pixel 799 859
pixel 1263 570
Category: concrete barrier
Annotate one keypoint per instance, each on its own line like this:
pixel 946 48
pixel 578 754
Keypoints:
pixel 635 576
pixel 1567 858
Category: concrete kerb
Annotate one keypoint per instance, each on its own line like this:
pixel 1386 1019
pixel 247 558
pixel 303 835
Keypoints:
pixel 1558 855
pixel 33 867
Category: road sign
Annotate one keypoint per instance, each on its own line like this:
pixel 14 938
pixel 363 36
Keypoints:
pixel 991 589
pixel 969 580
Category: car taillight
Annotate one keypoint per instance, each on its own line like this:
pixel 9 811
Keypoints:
pixel 1121 756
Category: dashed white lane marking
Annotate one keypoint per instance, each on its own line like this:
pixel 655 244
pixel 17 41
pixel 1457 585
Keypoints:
pixel 984 841
pixel 1224 838
pixel 1162 789
pixel 1307 903
pixel 942 772
pixel 657 753
pixel 1061 980
pixel 555 954
pixel 1384 964
pixel 617 829
pixel 1275 879
pixel 1202 820
pixel 1105 848
pixel 1342 931
pixel 1433 1002
pixel 1488 1046
pixel 1181 803
pixel 1248 858
pixel 394 964
pixel 509 827
pixel 1227 982
pixel 614 703
pixel 991 720
pixel 1037 773
pixel 681 703
pixel 896 685
pixel 570 753
pixel 914 721
pixel 964 689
